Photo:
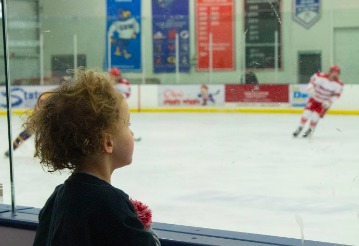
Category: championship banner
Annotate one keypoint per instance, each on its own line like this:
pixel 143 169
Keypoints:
pixel 263 27
pixel 298 95
pixel 191 95
pixel 305 12
pixel 123 36
pixel 215 18
pixel 170 19
pixel 257 93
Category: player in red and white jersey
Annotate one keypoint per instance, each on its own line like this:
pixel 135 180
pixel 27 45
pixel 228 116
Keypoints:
pixel 323 89
pixel 124 84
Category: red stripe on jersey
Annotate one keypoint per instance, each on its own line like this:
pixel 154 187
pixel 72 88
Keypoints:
pixel 321 98
pixel 323 75
pixel 124 81
pixel 324 89
pixel 324 94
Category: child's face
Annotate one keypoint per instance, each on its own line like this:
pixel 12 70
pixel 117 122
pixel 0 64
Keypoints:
pixel 203 91
pixel 123 139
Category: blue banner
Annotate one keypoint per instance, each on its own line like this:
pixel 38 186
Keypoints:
pixel 170 18
pixel 306 12
pixel 123 35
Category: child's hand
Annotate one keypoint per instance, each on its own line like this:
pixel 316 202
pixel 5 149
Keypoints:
pixel 143 213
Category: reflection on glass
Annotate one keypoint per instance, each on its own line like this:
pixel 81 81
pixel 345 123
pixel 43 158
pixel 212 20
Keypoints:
pixel 193 70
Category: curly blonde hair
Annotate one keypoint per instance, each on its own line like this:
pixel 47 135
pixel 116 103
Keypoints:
pixel 69 121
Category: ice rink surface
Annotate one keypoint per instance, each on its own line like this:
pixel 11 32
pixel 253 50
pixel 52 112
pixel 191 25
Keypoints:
pixel 238 172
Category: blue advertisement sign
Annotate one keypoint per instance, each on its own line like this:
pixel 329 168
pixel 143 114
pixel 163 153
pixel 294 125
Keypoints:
pixel 306 12
pixel 298 95
pixel 170 19
pixel 123 38
pixel 23 97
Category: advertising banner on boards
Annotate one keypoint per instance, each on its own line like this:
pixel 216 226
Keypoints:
pixel 25 96
pixel 191 95
pixel 298 95
pixel 257 93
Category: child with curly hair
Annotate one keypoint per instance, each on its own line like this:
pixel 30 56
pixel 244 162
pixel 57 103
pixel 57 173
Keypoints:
pixel 83 127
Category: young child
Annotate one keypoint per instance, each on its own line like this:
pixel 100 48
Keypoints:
pixel 83 127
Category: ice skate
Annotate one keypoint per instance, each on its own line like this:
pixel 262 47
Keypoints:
pixel 308 133
pixel 296 133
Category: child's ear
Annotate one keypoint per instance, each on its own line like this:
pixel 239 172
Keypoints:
pixel 107 143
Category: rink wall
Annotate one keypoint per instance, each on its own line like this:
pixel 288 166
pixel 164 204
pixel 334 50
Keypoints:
pixel 233 98
pixel 19 228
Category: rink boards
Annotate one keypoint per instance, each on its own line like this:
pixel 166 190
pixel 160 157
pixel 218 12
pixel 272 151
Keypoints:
pixel 203 98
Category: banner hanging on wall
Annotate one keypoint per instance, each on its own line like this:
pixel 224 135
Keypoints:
pixel 263 28
pixel 170 19
pixel 123 36
pixel 215 18
pixel 305 12
pixel 191 95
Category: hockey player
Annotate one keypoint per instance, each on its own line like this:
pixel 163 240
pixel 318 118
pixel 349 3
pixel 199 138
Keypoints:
pixel 323 89
pixel 124 84
pixel 127 28
pixel 24 135
pixel 21 138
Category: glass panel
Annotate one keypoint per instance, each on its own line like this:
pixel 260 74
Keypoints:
pixel 5 187
pixel 217 90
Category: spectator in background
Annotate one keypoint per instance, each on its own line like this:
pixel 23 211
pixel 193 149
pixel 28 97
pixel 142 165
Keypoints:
pixel 251 78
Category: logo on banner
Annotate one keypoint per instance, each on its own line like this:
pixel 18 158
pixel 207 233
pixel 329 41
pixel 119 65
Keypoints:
pixel 191 95
pixel 207 96
pixel 306 12
pixel 21 97
pixel 163 3
pixel 123 31
pixel 299 95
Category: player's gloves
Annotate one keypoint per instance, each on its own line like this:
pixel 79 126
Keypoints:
pixel 326 104
pixel 311 93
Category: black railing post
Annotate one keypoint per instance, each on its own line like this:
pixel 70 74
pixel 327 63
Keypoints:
pixel 8 101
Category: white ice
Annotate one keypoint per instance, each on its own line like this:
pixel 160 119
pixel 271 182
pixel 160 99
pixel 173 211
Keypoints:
pixel 238 172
